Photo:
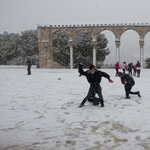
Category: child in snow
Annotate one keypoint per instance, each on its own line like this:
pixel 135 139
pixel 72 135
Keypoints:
pixel 94 78
pixel 134 70
pixel 124 66
pixel 28 63
pixel 130 66
pixel 128 82
pixel 117 67
pixel 138 67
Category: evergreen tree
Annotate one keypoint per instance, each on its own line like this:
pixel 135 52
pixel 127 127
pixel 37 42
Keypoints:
pixel 82 47
pixel 61 50
pixel 29 45
pixel 14 48
pixel 8 47
pixel 102 51
pixel 147 62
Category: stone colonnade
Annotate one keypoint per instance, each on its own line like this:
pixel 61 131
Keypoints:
pixel 45 43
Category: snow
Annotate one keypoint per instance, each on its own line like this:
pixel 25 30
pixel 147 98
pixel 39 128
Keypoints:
pixel 41 112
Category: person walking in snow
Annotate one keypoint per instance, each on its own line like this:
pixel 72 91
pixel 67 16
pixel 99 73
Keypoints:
pixel 138 68
pixel 130 66
pixel 28 63
pixel 124 66
pixel 134 70
pixel 117 67
pixel 128 83
pixel 94 78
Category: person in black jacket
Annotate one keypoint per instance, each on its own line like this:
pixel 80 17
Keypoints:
pixel 94 78
pixel 28 62
pixel 130 66
pixel 128 82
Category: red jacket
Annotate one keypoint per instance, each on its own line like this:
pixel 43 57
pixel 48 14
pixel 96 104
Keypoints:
pixel 117 66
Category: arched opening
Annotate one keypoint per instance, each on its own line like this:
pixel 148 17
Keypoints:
pixel 82 49
pixel 110 59
pixel 147 49
pixel 129 48
pixel 61 49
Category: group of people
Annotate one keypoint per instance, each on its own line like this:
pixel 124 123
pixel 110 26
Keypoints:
pixel 136 68
pixel 94 77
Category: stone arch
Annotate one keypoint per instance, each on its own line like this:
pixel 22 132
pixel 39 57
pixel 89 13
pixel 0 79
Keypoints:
pixel 112 48
pixel 147 46
pixel 146 33
pixel 128 30
pixel 128 52
pixel 45 35
pixel 77 31
pixel 107 29
pixel 55 31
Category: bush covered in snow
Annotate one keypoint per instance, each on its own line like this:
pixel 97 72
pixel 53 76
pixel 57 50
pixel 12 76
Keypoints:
pixel 14 48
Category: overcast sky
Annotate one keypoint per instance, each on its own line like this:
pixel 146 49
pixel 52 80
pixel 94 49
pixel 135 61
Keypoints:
pixel 20 15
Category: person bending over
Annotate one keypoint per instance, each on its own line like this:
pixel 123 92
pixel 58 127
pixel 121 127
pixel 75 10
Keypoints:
pixel 128 83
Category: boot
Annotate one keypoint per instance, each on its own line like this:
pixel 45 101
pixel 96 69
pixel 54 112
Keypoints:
pixel 138 93
pixel 102 104
pixel 81 105
pixel 127 97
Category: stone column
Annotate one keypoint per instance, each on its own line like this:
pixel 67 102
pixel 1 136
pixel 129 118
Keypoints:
pixel 141 42
pixel 94 43
pixel 117 50
pixel 71 54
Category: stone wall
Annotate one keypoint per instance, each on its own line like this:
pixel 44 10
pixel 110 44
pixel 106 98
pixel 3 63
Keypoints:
pixel 45 35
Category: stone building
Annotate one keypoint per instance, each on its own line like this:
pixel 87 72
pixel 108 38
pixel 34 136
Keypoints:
pixel 45 43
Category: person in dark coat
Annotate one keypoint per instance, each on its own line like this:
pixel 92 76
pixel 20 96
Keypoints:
pixel 134 70
pixel 128 82
pixel 130 66
pixel 28 63
pixel 94 78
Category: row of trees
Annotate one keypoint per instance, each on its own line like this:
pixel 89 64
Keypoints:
pixel 147 62
pixel 83 49
pixel 14 48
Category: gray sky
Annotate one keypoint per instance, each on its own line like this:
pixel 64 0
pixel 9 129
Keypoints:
pixel 20 15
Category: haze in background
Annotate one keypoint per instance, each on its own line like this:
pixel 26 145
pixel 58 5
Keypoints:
pixel 20 15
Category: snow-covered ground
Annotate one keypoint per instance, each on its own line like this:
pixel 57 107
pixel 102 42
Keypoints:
pixel 41 112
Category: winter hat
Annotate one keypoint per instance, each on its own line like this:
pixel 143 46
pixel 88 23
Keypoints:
pixel 91 66
pixel 120 74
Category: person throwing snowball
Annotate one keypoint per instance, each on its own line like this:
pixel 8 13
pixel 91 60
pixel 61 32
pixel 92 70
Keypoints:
pixel 94 78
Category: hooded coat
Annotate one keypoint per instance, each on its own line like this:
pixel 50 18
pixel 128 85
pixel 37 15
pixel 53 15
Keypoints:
pixel 126 78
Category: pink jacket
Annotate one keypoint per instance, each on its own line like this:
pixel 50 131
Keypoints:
pixel 117 66
pixel 124 66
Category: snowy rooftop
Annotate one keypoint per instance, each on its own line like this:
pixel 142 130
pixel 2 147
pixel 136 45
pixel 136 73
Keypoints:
pixel 89 25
